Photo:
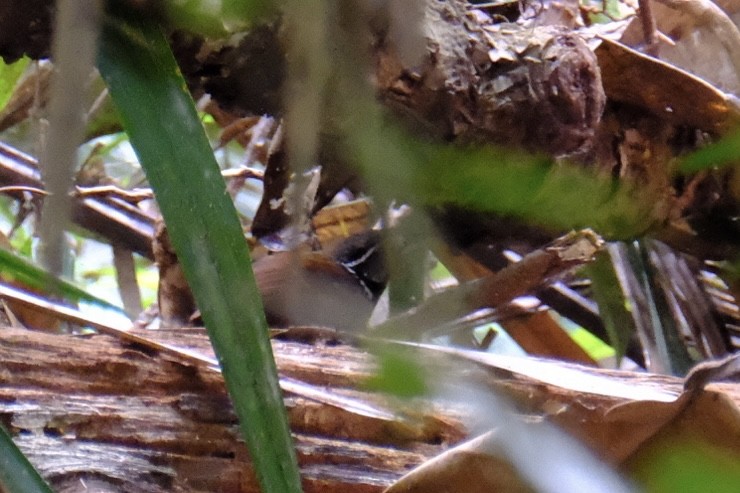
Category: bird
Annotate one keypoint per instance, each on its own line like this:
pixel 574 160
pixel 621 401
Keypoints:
pixel 336 289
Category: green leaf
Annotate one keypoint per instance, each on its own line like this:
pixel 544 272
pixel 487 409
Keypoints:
pixel 9 75
pixel 160 118
pixel 608 294
pixel 724 152
pixel 399 373
pixel 235 10
pixel 533 188
pixel 197 16
pixel 691 468
pixel 17 475
pixel 489 179
pixel 215 18
pixel 14 268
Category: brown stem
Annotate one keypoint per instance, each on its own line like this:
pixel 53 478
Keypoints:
pixel 649 28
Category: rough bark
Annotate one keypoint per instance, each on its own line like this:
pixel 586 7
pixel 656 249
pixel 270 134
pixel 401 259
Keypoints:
pixel 91 409
pixel 520 86
pixel 95 412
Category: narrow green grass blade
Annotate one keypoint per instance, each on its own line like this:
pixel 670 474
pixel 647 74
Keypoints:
pixel 160 119
pixel 16 268
pixel 612 306
pixel 17 475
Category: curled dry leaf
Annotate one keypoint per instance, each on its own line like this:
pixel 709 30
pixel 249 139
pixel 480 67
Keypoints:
pixel 629 433
pixel 463 469
pixel 667 91
pixel 645 417
pixel 693 29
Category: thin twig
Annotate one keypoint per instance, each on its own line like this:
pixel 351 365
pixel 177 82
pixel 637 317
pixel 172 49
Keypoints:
pixel 705 13
pixel 136 195
pixel 244 172
pixel 23 188
pixel 649 26
pixel 534 271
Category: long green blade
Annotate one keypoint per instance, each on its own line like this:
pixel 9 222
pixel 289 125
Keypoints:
pixel 15 268
pixel 17 475
pixel 614 311
pixel 160 119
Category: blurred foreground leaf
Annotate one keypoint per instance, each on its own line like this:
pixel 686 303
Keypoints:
pixel 691 468
pixel 510 182
pixel 246 9
pixel 160 118
pixel 399 373
pixel 724 152
pixel 490 180
pixel 215 18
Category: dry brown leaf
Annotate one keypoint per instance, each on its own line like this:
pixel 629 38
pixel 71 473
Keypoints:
pixel 665 90
pixel 467 468
pixel 641 418
pixel 710 418
pixel 627 433
pixel 694 29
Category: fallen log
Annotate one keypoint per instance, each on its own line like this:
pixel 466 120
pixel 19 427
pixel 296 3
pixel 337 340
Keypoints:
pixel 94 411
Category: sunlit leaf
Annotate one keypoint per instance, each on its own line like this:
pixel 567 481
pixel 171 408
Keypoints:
pixel 612 308
pixel 9 75
pixel 594 346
